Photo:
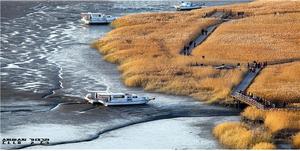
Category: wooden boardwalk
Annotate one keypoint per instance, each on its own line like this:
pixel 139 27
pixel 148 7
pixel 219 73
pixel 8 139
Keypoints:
pixel 239 93
pixel 201 38
pixel 250 76
pixel 248 100
pixel 242 87
pixel 207 31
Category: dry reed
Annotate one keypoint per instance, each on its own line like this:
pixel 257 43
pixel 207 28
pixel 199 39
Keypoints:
pixel 235 135
pixel 264 146
pixel 296 141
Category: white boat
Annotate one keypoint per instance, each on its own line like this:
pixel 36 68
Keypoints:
pixel 96 18
pixel 187 6
pixel 108 98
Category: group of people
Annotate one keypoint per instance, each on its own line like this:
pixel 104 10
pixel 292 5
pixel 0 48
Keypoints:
pixel 252 66
pixel 192 44
pixel 258 99
pixel 263 101
pixel 186 50
pixel 204 32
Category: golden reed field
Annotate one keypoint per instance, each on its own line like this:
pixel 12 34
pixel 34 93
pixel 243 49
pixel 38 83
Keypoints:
pixel 235 135
pixel 263 38
pixel 240 135
pixel 147 48
pixel 274 121
pixel 278 83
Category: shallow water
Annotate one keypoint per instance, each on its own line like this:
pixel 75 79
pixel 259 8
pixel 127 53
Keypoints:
pixel 175 133
pixel 47 66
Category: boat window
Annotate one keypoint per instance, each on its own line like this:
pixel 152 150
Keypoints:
pixel 134 96
pixel 99 96
pixel 119 96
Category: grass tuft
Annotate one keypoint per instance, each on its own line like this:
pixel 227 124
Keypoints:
pixel 254 113
pixel 264 146
pixel 235 135
pixel 296 141
pixel 279 120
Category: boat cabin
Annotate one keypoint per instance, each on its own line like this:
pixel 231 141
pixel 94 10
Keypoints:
pixel 111 97
pixel 96 18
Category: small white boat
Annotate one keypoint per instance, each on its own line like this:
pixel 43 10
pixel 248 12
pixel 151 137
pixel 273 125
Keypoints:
pixel 96 18
pixel 108 98
pixel 187 6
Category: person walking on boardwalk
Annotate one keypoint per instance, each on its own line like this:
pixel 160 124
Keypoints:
pixel 187 50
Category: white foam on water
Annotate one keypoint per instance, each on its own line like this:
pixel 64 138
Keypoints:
pixel 14 51
pixel 53 36
pixel 4 35
pixel 4 40
pixel 42 56
pixel 12 65
pixel 31 86
pixel 14 33
pixel 60 75
pixel 28 31
pixel 4 74
pixel 34 84
pixel 62 7
pixel 34 35
pixel 26 61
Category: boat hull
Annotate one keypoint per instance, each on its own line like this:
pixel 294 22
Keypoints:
pixel 91 22
pixel 92 101
pixel 123 103
pixel 179 8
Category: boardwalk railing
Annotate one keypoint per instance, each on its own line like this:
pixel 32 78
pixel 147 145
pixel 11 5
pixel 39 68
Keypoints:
pixel 248 100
